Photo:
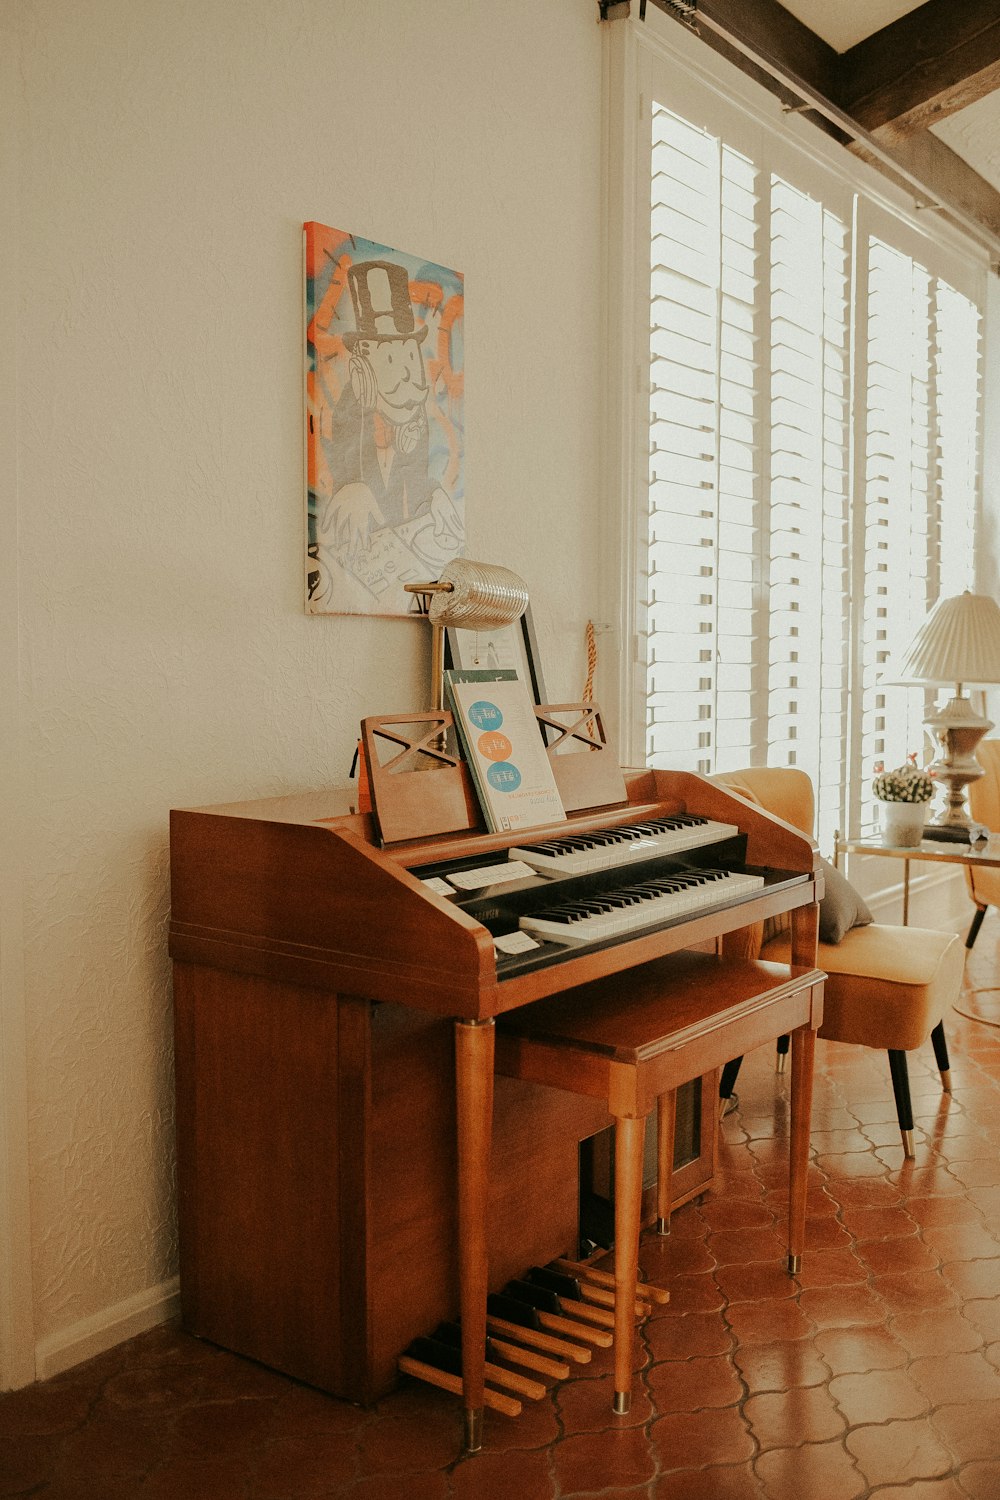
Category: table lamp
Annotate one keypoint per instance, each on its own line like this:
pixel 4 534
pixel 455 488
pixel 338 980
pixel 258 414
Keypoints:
pixel 471 596
pixel 958 646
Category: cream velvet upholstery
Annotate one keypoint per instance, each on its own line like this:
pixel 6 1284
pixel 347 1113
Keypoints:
pixel 888 987
pixel 984 804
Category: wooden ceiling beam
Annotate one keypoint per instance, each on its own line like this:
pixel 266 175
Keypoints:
pixel 933 61
pixel 763 39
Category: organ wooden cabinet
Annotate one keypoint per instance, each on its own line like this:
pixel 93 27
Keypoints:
pixel 320 982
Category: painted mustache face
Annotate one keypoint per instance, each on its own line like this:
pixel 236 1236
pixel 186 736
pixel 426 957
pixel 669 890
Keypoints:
pixel 399 373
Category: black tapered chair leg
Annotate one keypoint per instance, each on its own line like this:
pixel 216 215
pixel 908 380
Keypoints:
pixel 727 1082
pixel 941 1055
pixel 901 1090
pixel 781 1051
pixel 977 922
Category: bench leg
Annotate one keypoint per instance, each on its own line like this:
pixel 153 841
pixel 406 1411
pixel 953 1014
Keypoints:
pixel 666 1122
pixel 474 1045
pixel 629 1139
pixel 803 1058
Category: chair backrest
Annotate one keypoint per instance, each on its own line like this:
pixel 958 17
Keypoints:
pixel 788 794
pixel 984 804
pixel 782 790
pixel 984 794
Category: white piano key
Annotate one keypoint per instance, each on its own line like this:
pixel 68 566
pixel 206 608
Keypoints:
pixel 608 848
pixel 650 910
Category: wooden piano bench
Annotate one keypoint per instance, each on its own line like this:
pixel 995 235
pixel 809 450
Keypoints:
pixel 633 1039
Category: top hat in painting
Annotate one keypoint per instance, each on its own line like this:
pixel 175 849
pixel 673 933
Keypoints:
pixel 380 291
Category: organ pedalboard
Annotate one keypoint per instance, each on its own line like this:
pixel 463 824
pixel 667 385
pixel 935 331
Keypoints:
pixel 546 1321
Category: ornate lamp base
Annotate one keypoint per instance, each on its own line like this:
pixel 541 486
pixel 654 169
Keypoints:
pixel 957 728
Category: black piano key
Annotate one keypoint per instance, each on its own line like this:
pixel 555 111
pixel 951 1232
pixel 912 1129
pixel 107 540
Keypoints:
pixel 512 1310
pixel 440 1356
pixel 538 1297
pixel 556 1281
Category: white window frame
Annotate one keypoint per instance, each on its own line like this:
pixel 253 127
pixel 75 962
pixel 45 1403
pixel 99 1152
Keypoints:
pixel 634 53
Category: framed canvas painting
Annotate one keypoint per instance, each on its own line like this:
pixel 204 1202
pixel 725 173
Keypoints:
pixel 384 423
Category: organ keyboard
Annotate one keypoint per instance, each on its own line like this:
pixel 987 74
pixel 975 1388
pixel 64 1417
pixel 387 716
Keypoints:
pixel 300 946
pixel 579 854
pixel 629 908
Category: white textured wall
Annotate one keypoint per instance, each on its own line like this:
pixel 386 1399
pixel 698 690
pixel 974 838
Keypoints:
pixel 169 153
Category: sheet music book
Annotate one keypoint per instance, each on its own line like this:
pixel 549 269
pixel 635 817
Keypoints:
pixel 504 749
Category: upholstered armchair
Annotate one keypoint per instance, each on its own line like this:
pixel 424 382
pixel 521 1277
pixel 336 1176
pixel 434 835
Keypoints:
pixel 887 987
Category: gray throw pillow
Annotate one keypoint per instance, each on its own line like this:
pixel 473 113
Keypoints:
pixel 841 907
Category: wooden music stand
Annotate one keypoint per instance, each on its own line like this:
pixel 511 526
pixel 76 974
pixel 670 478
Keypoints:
pixel 587 773
pixel 418 786
pixel 421 787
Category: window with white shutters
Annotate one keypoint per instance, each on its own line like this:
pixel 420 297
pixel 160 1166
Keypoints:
pixel 813 455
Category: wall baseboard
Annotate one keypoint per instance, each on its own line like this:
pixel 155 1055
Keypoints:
pixel 94 1335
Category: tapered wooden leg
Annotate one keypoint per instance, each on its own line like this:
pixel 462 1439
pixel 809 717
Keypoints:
pixel 474 1047
pixel 901 1091
pixel 629 1137
pixel 805 933
pixel 941 1054
pixel 666 1122
pixel 977 922
pixel 803 1056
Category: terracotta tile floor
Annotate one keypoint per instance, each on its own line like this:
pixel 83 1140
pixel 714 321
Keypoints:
pixel 874 1373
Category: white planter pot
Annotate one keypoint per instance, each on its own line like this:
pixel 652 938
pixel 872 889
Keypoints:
pixel 902 823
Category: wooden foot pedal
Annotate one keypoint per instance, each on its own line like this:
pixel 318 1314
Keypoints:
pixel 594 1301
pixel 513 1353
pixel 439 1364
pixel 450 1336
pixel 543 1322
pixel 554 1315
pixel 605 1279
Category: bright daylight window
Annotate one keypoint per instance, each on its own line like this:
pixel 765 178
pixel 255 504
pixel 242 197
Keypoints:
pixel 813 442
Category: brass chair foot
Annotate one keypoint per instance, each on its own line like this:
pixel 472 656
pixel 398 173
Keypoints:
pixel 908 1150
pixel 622 1403
pixel 473 1429
pixel 946 1080
pixel 794 1265
pixel 779 1062
pixel 727 1104
pixel 663 1226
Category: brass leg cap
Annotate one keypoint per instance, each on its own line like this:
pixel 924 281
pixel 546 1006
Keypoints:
pixel 473 1429
pixel 622 1403
pixel 946 1080
pixel 779 1063
pixel 794 1265
pixel 908 1144
pixel 663 1226
pixel 728 1104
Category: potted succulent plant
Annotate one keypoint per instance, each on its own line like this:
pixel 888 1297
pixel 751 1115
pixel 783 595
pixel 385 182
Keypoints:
pixel 903 796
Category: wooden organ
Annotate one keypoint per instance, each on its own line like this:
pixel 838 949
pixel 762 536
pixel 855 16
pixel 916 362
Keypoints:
pixel 347 1179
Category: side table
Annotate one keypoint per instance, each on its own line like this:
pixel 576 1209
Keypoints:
pixel 986 852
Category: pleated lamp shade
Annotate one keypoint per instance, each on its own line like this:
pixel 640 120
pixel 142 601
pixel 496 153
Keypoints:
pixel 959 642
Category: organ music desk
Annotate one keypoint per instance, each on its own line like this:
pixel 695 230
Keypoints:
pixel 334 1064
